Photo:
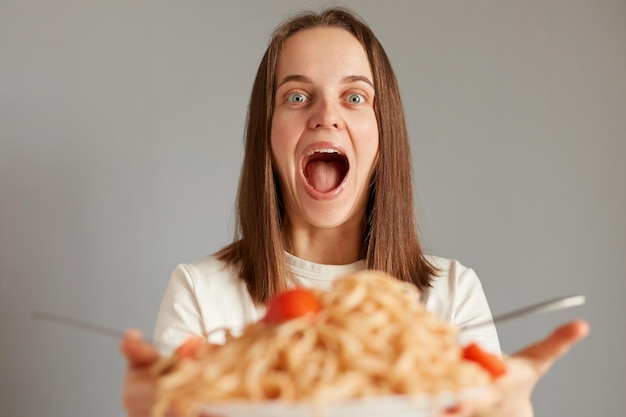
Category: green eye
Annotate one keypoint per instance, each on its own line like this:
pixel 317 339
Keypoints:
pixel 297 98
pixel 355 99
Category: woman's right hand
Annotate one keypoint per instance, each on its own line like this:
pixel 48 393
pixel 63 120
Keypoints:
pixel 140 386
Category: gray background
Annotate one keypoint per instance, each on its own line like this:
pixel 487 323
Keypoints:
pixel 121 127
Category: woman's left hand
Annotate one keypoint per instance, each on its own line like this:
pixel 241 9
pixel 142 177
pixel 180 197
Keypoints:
pixel 524 369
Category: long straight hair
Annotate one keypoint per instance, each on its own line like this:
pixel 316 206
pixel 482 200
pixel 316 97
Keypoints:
pixel 390 237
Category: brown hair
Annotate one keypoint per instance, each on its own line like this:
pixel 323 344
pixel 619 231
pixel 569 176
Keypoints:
pixel 390 238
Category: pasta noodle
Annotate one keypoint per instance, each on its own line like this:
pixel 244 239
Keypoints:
pixel 371 337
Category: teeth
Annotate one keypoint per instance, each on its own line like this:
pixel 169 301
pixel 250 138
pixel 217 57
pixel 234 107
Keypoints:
pixel 323 151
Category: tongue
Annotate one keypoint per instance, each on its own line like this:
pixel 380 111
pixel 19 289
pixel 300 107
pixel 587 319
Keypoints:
pixel 325 175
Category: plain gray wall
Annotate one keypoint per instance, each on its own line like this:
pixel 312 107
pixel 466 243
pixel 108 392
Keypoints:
pixel 121 126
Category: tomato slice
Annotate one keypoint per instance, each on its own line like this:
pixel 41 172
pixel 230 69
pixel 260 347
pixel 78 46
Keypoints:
pixel 491 362
pixel 291 304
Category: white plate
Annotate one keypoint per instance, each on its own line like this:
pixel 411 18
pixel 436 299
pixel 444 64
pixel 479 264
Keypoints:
pixel 396 406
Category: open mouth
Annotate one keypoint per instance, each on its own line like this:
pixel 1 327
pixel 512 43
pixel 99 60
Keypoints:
pixel 325 169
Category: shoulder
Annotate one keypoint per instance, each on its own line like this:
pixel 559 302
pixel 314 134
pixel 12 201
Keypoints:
pixel 457 296
pixel 202 296
pixel 214 282
pixel 453 286
pixel 209 272
pixel 451 273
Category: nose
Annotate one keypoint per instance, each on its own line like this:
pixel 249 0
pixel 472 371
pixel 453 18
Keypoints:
pixel 326 114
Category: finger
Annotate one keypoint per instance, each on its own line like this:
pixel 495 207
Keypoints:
pixel 138 352
pixel 191 347
pixel 544 353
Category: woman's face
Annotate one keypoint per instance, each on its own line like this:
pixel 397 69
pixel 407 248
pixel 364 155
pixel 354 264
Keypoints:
pixel 324 134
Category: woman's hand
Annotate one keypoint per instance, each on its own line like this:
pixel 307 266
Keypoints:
pixel 527 366
pixel 524 369
pixel 140 386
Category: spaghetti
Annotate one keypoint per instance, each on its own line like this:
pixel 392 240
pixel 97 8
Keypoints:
pixel 371 337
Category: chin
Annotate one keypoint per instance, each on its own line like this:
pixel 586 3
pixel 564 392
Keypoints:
pixel 330 218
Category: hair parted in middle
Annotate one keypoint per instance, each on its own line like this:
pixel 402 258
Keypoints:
pixel 390 236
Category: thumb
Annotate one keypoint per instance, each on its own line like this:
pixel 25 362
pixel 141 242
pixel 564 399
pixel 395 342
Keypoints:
pixel 137 351
pixel 543 354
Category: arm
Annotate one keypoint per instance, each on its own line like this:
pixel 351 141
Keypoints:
pixel 470 306
pixel 179 315
pixel 457 296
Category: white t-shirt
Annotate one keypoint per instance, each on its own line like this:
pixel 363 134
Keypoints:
pixel 207 295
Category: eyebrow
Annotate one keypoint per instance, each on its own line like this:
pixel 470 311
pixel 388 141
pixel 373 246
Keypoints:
pixel 307 80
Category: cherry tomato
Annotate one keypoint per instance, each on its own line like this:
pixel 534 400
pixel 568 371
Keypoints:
pixel 491 362
pixel 291 304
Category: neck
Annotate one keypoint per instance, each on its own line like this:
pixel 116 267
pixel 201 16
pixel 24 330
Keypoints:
pixel 336 246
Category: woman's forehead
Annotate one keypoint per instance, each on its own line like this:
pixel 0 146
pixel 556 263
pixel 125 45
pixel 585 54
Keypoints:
pixel 323 52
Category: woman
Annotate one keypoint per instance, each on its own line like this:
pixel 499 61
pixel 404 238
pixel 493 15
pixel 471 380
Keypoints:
pixel 325 190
